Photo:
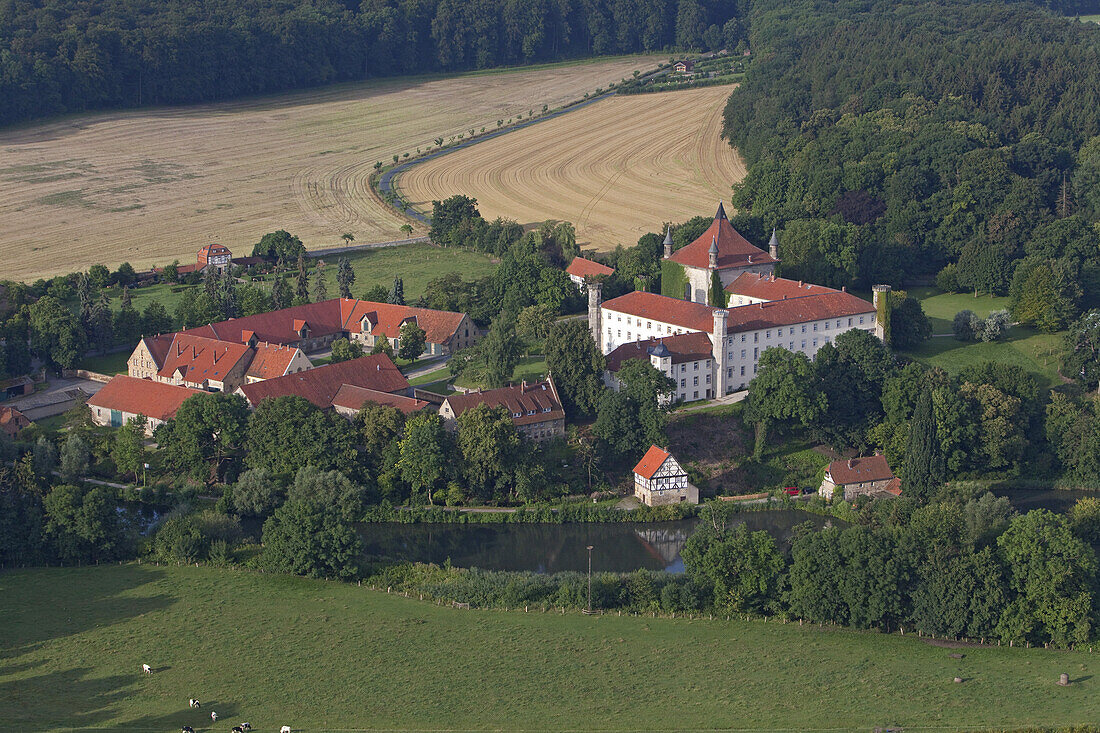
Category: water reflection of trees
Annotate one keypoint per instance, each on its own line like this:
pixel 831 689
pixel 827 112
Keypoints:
pixel 551 548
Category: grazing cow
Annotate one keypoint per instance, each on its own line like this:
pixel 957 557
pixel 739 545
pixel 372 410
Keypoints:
pixel 246 726
pixel 236 729
pixel 187 729
pixel 146 669
pixel 213 716
pixel 194 703
pixel 285 729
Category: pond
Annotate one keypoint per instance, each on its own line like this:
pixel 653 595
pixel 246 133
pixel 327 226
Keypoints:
pixel 1059 501
pixel 550 548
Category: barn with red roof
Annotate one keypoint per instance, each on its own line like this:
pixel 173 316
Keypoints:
pixel 124 398
pixel 580 270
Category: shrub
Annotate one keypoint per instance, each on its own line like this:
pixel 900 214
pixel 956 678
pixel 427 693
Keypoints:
pixel 964 324
pixel 947 279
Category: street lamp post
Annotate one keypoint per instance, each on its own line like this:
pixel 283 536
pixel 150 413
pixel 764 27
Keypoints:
pixel 589 611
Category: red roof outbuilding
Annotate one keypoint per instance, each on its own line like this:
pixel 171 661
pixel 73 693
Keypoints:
pixel 321 385
pixel 155 400
pixel 580 267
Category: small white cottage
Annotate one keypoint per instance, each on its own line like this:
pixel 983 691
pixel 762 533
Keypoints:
pixel 659 480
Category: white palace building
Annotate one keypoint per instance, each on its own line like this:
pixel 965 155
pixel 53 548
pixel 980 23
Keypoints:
pixel 763 311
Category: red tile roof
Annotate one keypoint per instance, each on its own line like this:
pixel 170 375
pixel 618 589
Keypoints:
pixel 155 400
pixel 333 317
pixel 580 267
pixel 212 250
pixel 195 359
pixel 770 287
pixel 12 420
pixel 733 249
pixel 683 347
pixel 534 403
pixel 699 317
pixel 860 470
pixel 385 319
pixel 653 459
pixel 835 304
pixel 353 398
pixel 320 385
pixel 271 360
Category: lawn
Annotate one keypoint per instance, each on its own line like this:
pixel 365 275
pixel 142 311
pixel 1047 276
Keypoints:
pixel 318 655
pixel 107 363
pixel 1023 347
pixel 529 368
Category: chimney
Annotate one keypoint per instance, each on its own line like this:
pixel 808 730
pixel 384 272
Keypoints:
pixel 718 351
pixel 844 288
pixel 799 283
pixel 750 259
pixel 851 463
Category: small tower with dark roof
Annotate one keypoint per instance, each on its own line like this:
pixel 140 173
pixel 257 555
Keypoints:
pixel 712 253
pixel 668 242
pixel 773 245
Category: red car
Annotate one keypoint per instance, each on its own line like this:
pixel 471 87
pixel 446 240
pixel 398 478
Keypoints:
pixel 792 491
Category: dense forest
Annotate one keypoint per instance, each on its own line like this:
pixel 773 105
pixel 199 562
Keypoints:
pixel 890 140
pixel 61 56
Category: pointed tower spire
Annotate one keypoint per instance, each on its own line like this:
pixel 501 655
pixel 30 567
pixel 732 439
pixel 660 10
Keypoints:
pixel 668 242
pixel 773 245
pixel 721 212
pixel 713 252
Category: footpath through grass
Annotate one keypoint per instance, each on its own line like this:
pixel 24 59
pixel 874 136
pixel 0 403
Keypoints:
pixel 318 655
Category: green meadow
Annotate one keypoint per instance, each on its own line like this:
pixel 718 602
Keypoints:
pixel 319 655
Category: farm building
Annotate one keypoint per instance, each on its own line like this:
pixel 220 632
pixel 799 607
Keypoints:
pixel 16 387
pixel 535 408
pixel 720 249
pixel 685 66
pixel 580 270
pixel 374 373
pixel 217 256
pixel 124 398
pixel 855 476
pixel 737 335
pixel 12 421
pixel 210 364
pixel 349 400
pixel 314 326
pixel 659 480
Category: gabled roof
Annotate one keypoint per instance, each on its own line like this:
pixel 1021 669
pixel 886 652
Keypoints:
pixel 653 459
pixel 155 400
pixel 733 249
pixel 353 398
pixel 580 267
pixel 12 420
pixel 386 319
pixel 213 249
pixel 534 402
pixel 699 317
pixel 682 348
pixel 683 313
pixel 835 304
pixel 196 359
pixel 271 360
pixel 333 317
pixel 860 470
pixel 770 287
pixel 320 385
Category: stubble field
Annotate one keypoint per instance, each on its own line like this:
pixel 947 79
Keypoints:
pixel 150 186
pixel 616 169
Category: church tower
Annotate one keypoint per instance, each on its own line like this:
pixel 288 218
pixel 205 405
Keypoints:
pixel 668 242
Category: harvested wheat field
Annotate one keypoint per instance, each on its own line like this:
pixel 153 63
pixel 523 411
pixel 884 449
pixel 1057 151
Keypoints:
pixel 150 186
pixel 616 169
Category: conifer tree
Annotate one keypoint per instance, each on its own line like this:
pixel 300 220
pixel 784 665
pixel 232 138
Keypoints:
pixel 345 277
pixel 397 292
pixel 320 288
pixel 303 280
pixel 924 459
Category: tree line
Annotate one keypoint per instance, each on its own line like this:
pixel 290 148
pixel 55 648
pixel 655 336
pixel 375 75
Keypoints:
pixel 891 142
pixel 59 56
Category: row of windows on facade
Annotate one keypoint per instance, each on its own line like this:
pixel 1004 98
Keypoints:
pixel 755 336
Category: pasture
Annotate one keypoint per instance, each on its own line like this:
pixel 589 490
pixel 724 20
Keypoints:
pixel 316 655
pixel 616 169
pixel 149 186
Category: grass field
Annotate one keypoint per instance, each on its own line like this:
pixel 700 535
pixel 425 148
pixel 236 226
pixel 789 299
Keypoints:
pixel 616 169
pixel 415 263
pixel 148 186
pixel 1023 347
pixel 316 655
